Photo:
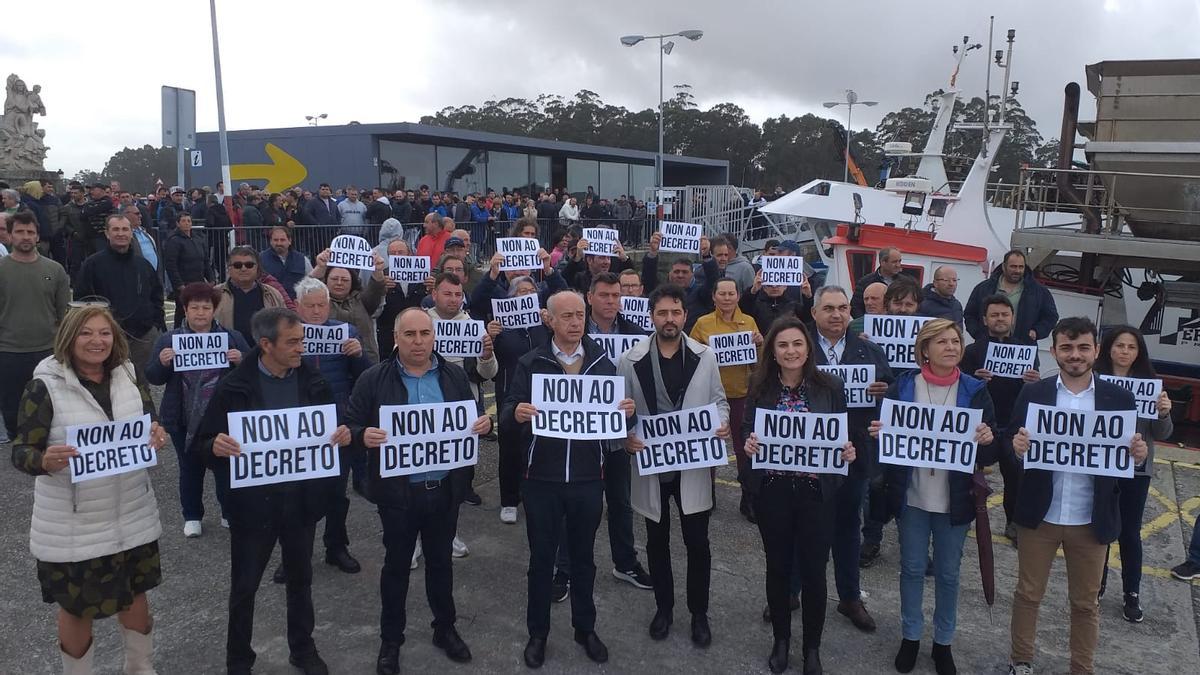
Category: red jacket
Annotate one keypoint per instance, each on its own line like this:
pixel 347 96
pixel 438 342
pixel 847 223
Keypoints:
pixel 433 246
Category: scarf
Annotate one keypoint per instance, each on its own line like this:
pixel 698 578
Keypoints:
pixel 939 380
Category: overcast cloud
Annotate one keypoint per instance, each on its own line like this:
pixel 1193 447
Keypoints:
pixel 380 61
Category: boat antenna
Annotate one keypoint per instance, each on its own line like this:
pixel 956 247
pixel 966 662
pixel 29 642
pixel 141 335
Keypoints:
pixel 987 90
pixel 1005 93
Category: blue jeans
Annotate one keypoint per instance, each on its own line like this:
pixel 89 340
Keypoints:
pixel 191 481
pixel 916 527
pixel 1132 501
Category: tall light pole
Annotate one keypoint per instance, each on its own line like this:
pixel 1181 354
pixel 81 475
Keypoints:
pixel 314 119
pixel 223 138
pixel 850 102
pixel 663 49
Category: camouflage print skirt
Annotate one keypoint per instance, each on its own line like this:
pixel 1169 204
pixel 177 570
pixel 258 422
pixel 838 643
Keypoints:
pixel 101 587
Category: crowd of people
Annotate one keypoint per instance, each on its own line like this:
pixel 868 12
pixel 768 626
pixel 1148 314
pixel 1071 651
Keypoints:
pixel 85 347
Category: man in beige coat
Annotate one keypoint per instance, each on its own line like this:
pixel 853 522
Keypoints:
pixel 668 373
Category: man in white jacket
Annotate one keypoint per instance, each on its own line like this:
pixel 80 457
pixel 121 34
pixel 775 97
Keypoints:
pixel 668 373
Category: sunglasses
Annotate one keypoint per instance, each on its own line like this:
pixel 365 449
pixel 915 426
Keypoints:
pixel 242 265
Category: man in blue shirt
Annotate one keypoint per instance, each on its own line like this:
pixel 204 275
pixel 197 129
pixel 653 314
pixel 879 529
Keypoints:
pixel 421 505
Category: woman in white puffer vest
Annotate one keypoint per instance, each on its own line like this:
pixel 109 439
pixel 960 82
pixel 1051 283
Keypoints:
pixel 95 541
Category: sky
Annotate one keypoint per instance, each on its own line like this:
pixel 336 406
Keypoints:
pixel 394 61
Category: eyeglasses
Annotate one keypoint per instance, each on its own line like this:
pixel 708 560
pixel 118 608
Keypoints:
pixel 249 265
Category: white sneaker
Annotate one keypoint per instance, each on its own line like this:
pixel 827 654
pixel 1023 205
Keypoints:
pixel 1020 668
pixel 458 549
pixel 192 529
pixel 225 523
pixel 416 556
pixel 508 514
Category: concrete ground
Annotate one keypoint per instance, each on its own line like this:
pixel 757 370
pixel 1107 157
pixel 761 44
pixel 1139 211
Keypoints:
pixel 190 606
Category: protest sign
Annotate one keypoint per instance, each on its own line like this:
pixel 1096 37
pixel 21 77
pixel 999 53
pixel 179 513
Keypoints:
pixel 804 442
pixel 734 349
pixel 458 338
pixel 520 253
pixel 1094 442
pixel 928 436
pixel 637 310
pixel 350 251
pixel 678 441
pixel 602 241
pixel 200 351
pixel 1009 360
pixel 1145 392
pixel 679 237
pixel 579 407
pixel 896 335
pixel 856 378
pixel 427 437
pixel 616 345
pixel 782 270
pixel 110 448
pixel 408 269
pixel 519 311
pixel 325 340
pixel 283 445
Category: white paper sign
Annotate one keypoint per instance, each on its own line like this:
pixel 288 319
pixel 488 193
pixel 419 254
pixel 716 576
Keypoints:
pixel 678 441
pixel 896 335
pixel 350 251
pixel 928 436
pixel 1145 392
pixel 803 442
pixel 427 437
pixel 856 377
pixel 458 338
pixel 616 345
pixel 521 311
pixel 520 253
pixel 637 310
pixel 1009 360
pixel 325 340
pixel 408 269
pixel 734 349
pixel 782 270
pixel 580 407
pixel 110 448
pixel 679 237
pixel 1080 441
pixel 602 241
pixel 283 445
pixel 200 351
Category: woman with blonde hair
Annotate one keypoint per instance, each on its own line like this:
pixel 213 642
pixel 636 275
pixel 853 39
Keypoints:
pixel 95 541
pixel 934 503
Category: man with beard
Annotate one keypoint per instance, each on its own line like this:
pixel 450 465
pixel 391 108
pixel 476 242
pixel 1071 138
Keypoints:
pixel 1036 312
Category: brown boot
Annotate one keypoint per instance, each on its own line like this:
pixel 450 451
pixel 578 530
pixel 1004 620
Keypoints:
pixel 856 611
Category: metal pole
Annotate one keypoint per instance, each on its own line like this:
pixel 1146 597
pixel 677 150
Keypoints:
pixel 659 162
pixel 223 138
pixel 179 168
pixel 846 165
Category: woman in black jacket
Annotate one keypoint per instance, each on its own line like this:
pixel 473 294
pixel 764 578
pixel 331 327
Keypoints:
pixel 795 510
pixel 934 503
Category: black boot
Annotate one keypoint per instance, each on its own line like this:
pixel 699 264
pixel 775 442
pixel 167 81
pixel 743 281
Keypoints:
pixel 660 625
pixel 812 662
pixel 778 661
pixel 906 658
pixel 943 661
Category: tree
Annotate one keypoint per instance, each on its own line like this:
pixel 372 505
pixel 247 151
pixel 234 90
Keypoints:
pixel 1046 156
pixel 87 177
pixel 138 168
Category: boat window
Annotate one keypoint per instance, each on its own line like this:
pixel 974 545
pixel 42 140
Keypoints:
pixel 915 271
pixel 821 189
pixel 937 208
pixel 861 262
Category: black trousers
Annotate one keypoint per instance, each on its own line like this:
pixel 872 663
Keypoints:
pixel 699 555
pixel 249 552
pixel 512 463
pixel 17 368
pixel 1011 469
pixel 336 538
pixel 790 510
pixel 431 515
pixel 546 505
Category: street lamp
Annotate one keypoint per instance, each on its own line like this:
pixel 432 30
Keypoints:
pixel 850 102
pixel 663 48
pixel 316 118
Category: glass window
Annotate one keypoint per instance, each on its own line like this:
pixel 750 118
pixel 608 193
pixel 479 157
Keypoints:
pixel 640 178
pixel 461 170
pixel 406 165
pixel 539 173
pixel 507 172
pixel 580 174
pixel 614 180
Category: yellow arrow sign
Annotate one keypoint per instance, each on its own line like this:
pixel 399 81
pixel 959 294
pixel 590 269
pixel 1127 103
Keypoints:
pixel 283 172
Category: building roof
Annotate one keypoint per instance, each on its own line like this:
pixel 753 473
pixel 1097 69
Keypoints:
pixel 412 132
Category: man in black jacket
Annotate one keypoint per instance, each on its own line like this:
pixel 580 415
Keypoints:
pixel 130 285
pixel 563 478
pixel 96 211
pixel 698 291
pixel 185 257
pixel 1079 512
pixel 421 505
pixel 1036 311
pixel 271 377
pixel 938 299
pixel 838 345
pixel 890 267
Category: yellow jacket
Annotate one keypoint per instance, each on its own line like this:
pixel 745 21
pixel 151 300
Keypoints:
pixel 735 379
